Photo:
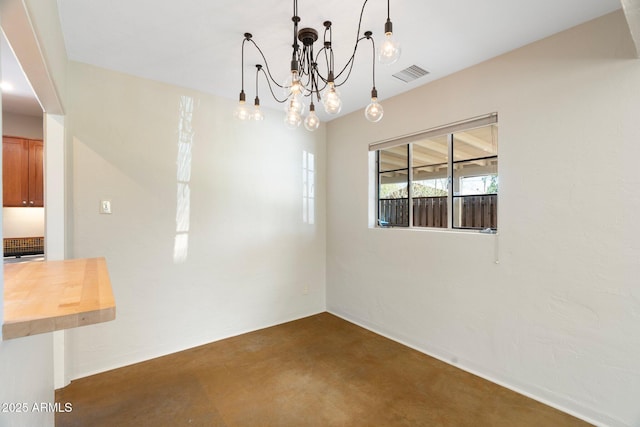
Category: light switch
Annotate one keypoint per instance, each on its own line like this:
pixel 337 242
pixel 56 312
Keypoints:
pixel 105 206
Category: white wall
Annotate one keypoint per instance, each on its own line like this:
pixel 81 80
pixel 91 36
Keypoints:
pixel 250 256
pixel 559 317
pixel 26 376
pixel 23 222
pixel 54 178
pixel 23 126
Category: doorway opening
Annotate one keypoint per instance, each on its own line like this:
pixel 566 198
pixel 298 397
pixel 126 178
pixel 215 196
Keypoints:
pixel 23 219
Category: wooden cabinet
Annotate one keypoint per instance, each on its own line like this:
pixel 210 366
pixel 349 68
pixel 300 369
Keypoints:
pixel 22 172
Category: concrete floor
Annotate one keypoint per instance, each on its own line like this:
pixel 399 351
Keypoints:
pixel 317 371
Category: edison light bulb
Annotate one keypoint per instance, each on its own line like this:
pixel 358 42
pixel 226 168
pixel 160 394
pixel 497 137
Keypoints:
pixel 242 112
pixel 311 122
pixel 292 85
pixel 332 102
pixel 389 51
pixel 295 103
pixel 257 113
pixel 374 111
pixel 292 119
pixel 296 87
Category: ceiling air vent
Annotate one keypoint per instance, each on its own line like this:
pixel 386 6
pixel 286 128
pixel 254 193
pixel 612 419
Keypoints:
pixel 410 74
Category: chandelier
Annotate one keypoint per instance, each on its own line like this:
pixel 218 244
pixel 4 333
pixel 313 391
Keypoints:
pixel 313 74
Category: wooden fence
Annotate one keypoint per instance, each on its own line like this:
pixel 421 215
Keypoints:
pixel 476 212
pixel 394 212
pixel 430 212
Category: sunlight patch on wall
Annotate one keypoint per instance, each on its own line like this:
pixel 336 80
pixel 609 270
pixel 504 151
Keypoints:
pixel 308 187
pixel 183 163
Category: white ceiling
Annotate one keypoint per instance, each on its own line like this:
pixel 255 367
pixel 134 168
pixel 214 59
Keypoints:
pixel 196 43
pixel 20 99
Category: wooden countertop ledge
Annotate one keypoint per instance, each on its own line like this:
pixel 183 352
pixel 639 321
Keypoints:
pixel 48 296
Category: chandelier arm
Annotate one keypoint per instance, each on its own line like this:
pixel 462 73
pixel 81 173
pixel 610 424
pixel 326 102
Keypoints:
pixel 266 64
pixel 258 68
pixel 242 65
pixel 330 50
pixel 311 86
pixel 319 76
pixel 268 80
pixel 323 87
pixel 306 69
pixel 311 82
pixel 308 83
pixel 328 53
pixel 326 60
pixel 373 49
pixel 360 24
pixel 332 59
pixel 309 59
pixel 307 76
pixel 350 63
pixel 310 89
pixel 296 53
pixel 358 38
pixel 295 20
pixel 304 60
pixel 317 91
pixel 316 62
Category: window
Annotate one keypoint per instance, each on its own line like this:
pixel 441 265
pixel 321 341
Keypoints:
pixel 393 189
pixel 441 178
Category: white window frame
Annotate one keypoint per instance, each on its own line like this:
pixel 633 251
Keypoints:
pixel 449 130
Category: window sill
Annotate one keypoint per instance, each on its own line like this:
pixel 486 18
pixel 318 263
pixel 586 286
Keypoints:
pixel 438 230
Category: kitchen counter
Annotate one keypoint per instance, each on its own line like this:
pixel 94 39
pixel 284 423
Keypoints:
pixel 48 296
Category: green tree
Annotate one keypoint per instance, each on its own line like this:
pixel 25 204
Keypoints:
pixel 493 185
